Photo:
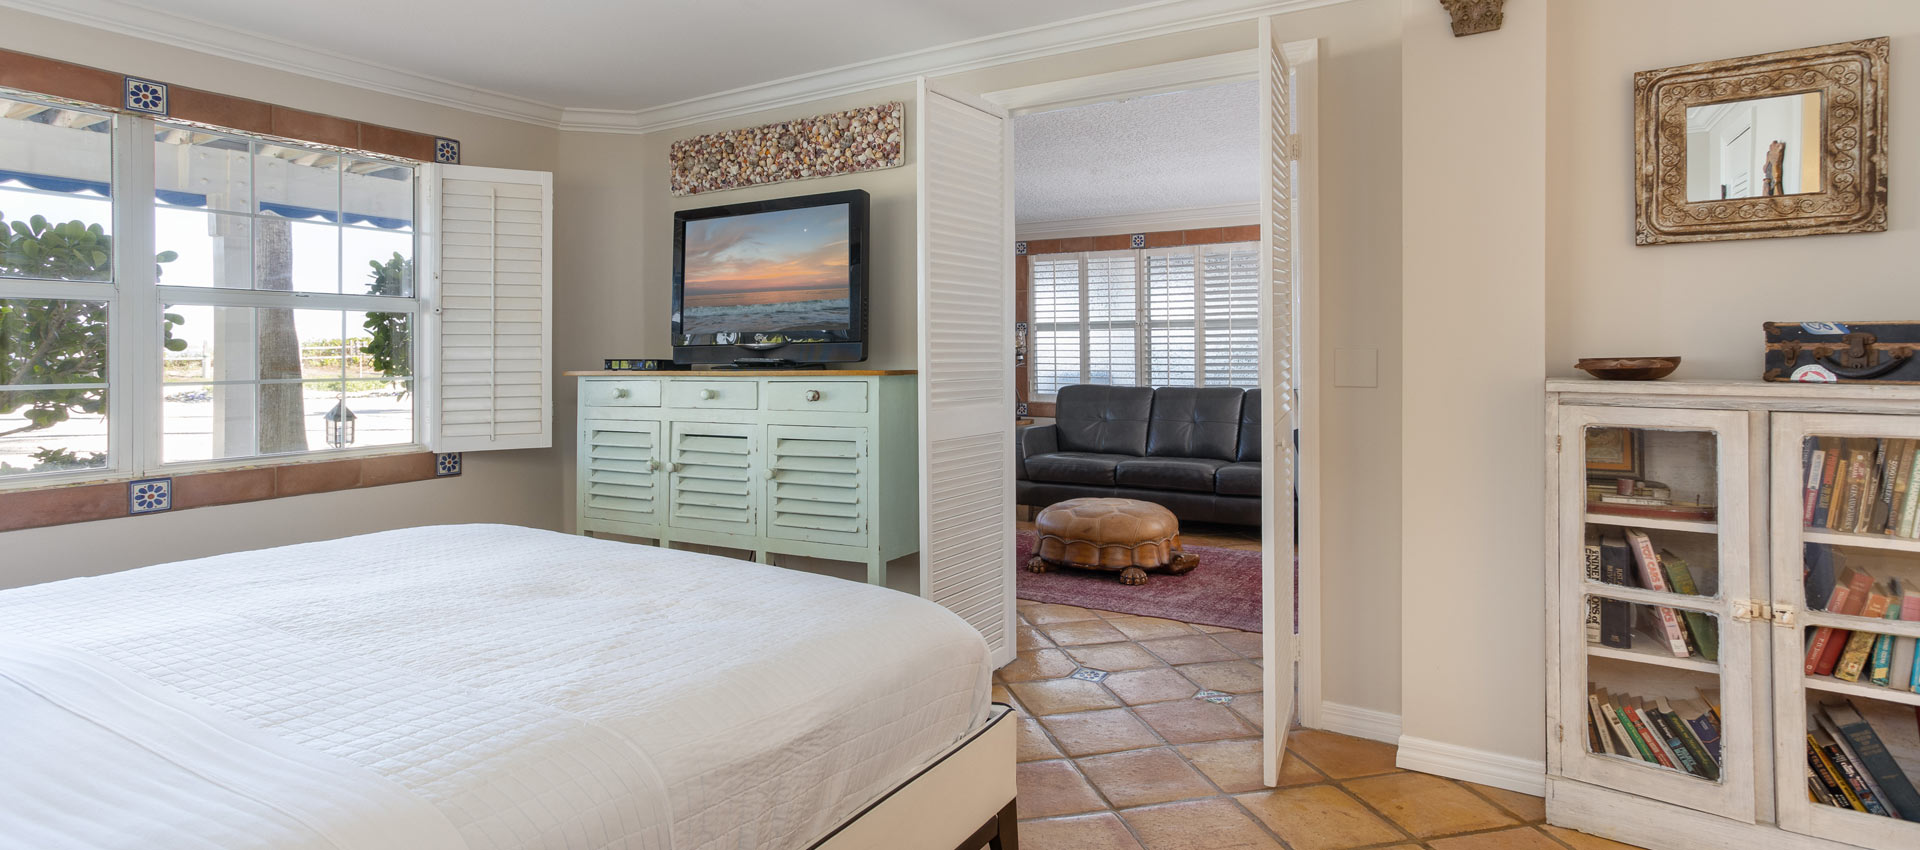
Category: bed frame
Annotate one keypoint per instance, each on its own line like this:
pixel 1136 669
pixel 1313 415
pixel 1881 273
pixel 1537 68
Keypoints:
pixel 963 800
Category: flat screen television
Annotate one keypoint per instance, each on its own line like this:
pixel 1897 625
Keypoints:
pixel 772 282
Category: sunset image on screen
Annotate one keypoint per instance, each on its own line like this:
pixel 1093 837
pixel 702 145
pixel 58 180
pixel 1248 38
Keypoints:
pixel 767 272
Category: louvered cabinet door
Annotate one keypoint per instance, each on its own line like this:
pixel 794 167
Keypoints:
pixel 713 479
pixel 620 471
pixel 817 484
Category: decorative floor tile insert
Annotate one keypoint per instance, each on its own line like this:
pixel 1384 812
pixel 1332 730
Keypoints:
pixel 1119 748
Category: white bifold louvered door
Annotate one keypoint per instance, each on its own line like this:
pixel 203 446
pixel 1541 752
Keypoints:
pixel 620 471
pixel 713 482
pixel 1277 398
pixel 487 346
pixel 817 484
pixel 964 152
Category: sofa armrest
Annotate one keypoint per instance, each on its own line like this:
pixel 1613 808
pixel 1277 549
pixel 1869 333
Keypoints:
pixel 1030 440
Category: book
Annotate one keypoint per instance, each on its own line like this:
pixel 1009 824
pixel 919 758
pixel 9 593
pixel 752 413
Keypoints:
pixel 1699 626
pixel 1591 552
pixel 1876 469
pixel 1849 595
pixel 1683 758
pixel 1700 720
pixel 1616 568
pixel 1890 465
pixel 1600 729
pixel 1815 463
pixel 1817 574
pixel 1859 459
pixel 1708 763
pixel 1823 503
pixel 1851 779
pixel 1901 797
pixel 1830 776
pixel 1880 659
pixel 1849 763
pixel 1655 742
pixel 1652 578
pixel 1853 659
pixel 1911 511
pixel 1902 483
pixel 1627 729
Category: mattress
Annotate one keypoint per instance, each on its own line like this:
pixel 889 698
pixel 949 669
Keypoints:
pixel 475 686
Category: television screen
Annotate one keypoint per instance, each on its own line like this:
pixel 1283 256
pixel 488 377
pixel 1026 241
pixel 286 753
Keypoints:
pixel 779 272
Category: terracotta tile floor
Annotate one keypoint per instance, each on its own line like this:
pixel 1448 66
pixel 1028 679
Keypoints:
pixel 1143 734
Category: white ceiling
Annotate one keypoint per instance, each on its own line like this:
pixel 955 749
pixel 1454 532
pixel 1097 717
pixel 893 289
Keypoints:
pixel 1175 151
pixel 604 54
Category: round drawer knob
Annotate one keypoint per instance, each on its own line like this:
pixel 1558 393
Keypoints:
pixel 708 395
pixel 622 392
pixel 813 395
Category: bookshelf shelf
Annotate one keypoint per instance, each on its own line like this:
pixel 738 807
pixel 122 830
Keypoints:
pixel 1695 526
pixel 1649 654
pixel 1766 579
pixel 1865 541
pixel 1855 689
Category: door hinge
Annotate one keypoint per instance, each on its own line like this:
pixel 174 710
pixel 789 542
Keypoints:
pixel 1748 610
pixel 1559 731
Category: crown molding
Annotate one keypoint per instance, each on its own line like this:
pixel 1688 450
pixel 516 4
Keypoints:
pixel 1162 17
pixel 1190 218
pixel 1132 82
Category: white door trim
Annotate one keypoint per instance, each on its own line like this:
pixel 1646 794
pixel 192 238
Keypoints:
pixel 1304 58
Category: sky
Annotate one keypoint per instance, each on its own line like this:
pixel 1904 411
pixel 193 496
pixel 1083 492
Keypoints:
pixel 787 249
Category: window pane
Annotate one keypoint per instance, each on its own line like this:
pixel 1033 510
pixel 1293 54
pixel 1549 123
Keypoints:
pixel 377 194
pixel 53 385
pixel 195 169
pixel 209 344
pixel 296 183
pixel 377 262
pixel 209 249
pixel 1231 312
pixel 1112 306
pixel 55 168
pixel 1169 319
pixel 296 255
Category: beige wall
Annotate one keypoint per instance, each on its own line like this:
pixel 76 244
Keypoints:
pixel 1473 224
pixel 1706 301
pixel 515 487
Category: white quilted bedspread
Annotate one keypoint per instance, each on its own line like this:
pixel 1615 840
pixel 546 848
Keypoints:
pixel 534 689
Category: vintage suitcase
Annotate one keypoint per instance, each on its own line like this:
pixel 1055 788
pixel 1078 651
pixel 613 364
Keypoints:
pixel 1843 352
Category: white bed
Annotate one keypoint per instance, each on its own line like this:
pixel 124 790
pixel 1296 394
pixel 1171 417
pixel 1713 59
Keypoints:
pixel 475 686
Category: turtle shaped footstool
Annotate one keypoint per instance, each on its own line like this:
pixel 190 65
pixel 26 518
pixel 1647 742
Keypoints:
pixel 1126 536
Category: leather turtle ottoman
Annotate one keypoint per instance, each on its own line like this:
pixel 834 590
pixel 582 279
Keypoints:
pixel 1126 536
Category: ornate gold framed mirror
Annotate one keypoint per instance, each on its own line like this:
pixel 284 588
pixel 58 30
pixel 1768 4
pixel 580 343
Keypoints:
pixel 1781 144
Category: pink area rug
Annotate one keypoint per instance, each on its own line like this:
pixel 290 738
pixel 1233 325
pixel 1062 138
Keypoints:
pixel 1223 591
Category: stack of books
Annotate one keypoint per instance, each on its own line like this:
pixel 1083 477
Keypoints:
pixel 1681 735
pixel 1859 656
pixel 1630 559
pixel 1848 766
pixel 1862 486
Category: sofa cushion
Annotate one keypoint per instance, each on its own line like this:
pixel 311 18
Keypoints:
pixel 1237 479
pixel 1075 467
pixel 1102 419
pixel 1249 428
pixel 1168 473
pixel 1195 422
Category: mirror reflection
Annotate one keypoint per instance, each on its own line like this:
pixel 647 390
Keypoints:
pixel 1754 148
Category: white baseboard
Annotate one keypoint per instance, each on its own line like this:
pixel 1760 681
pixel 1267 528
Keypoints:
pixel 1359 722
pixel 1526 776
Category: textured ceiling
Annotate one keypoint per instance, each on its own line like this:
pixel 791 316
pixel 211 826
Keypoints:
pixel 1157 153
pixel 622 54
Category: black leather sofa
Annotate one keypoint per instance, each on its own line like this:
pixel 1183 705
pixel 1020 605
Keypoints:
pixel 1194 450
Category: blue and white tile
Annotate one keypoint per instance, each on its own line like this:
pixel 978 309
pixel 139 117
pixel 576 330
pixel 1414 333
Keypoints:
pixel 447 464
pixel 149 495
pixel 447 151
pixel 146 96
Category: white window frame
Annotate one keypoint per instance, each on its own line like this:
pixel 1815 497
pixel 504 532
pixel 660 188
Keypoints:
pixel 135 363
pixel 1144 319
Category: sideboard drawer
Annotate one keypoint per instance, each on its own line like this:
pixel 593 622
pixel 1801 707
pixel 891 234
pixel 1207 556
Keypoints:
pixel 620 393
pixel 714 395
pixel 828 396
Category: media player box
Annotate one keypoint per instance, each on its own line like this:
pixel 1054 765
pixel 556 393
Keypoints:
pixel 648 365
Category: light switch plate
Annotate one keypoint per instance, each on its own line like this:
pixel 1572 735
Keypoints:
pixel 1356 367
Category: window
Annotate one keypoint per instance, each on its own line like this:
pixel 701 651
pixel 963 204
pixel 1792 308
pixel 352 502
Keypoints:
pixel 262 305
pixel 1179 317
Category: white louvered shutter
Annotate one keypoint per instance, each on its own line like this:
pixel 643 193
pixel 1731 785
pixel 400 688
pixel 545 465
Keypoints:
pixel 1278 640
pixel 1054 283
pixel 1230 313
pixel 488 330
pixel 1112 315
pixel 966 362
pixel 1168 293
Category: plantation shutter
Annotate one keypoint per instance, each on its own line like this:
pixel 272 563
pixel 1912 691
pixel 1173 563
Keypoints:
pixel 1230 283
pixel 1169 293
pixel 1275 321
pixel 1111 319
pixel 1054 282
pixel 487 341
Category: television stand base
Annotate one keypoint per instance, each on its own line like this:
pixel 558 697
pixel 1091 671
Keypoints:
pixel 770 363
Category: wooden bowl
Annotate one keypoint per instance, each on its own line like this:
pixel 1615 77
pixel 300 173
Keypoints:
pixel 1628 368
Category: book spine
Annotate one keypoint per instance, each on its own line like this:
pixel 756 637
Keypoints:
pixel 1880 660
pixel 1870 493
pixel 1900 676
pixel 1708 735
pixel 1889 470
pixel 1602 740
pixel 1683 757
pixel 1854 659
pixel 1824 503
pixel 1649 564
pixel 1901 483
pixel 1633 734
pixel 1700 627
pixel 1815 464
pixel 1873 755
pixel 1856 782
pixel 1856 490
pixel 1616 617
pixel 1911 511
pixel 1591 555
pixel 1830 776
pixel 1655 741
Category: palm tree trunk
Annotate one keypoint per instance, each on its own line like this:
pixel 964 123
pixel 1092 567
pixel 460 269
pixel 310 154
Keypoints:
pixel 281 411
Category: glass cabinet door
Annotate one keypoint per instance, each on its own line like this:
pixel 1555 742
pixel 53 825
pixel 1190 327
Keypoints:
pixel 1657 666
pixel 1846 604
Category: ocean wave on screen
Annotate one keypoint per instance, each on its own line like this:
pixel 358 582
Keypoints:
pixel 826 314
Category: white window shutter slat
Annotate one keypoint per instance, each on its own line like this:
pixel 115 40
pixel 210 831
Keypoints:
pixel 487 328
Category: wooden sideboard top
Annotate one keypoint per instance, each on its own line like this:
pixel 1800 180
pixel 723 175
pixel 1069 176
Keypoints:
pixel 740 373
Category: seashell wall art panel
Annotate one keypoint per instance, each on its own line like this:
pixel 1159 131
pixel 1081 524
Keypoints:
pixel 865 139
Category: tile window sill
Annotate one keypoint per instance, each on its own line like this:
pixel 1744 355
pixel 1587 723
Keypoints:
pixel 60 505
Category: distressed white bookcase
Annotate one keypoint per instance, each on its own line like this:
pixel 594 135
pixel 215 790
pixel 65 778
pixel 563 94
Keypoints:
pixel 1739 443
pixel 816 463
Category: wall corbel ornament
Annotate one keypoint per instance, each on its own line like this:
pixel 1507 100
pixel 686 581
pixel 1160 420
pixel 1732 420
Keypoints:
pixel 1471 17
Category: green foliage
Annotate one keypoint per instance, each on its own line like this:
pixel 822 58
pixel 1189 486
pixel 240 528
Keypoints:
pixel 53 460
pixel 392 344
pixel 57 341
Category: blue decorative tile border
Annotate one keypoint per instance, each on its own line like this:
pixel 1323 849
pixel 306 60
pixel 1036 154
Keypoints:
pixel 1137 240
pixel 447 464
pixel 149 495
pixel 1019 247
pixel 1088 674
pixel 146 96
pixel 447 151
